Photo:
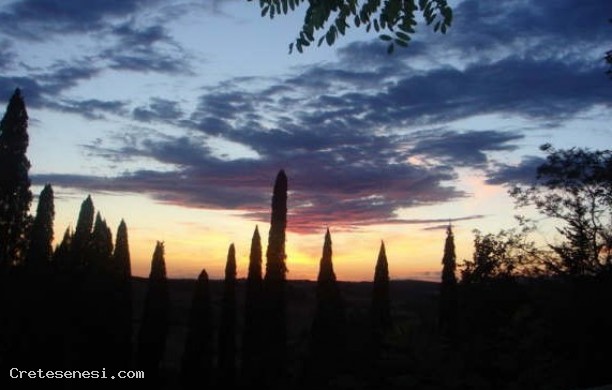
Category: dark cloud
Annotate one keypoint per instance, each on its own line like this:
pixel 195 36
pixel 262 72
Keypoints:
pixel 346 132
pixel 145 49
pixel 64 75
pixel 324 190
pixel 36 19
pixel 158 109
pixel 523 173
pixel 31 90
pixel 45 89
pixel 464 149
pixel 90 108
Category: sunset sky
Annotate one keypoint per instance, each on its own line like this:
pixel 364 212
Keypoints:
pixel 176 115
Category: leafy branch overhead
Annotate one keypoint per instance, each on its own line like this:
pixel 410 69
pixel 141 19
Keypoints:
pixel 394 20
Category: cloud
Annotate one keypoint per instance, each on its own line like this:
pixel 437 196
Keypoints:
pixel 523 173
pixel 158 109
pixel 37 19
pixel 464 149
pixel 147 48
pixel 349 132
pixel 323 191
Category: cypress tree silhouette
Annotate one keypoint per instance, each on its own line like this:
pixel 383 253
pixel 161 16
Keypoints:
pixel 154 325
pixel 61 254
pixel 38 328
pixel 381 307
pixel 82 235
pixel 227 330
pixel 251 339
pixel 275 332
pixel 197 360
pixel 448 290
pixel 327 341
pixel 121 294
pixel 100 247
pixel 15 194
pixel 99 310
pixel 41 236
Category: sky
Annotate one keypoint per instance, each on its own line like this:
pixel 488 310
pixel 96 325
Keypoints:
pixel 176 116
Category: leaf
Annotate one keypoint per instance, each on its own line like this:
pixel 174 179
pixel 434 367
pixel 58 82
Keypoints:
pixel 402 36
pixel 390 48
pixel 265 10
pixel 330 37
pixel 385 37
pixel 400 42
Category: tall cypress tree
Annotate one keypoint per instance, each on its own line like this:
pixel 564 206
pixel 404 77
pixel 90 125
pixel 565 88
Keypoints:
pixel 63 251
pixel 381 306
pixel 41 236
pixel 82 235
pixel 227 330
pixel 15 194
pixel 100 247
pixel 98 313
pixel 275 332
pixel 154 325
pixel 448 290
pixel 197 360
pixel 122 296
pixel 251 338
pixel 328 328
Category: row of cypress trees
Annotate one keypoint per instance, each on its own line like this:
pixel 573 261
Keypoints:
pixel 91 278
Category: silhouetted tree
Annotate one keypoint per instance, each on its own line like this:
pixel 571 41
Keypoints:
pixel 154 325
pixel 61 254
pixel 41 236
pixel 100 247
pixel 275 332
pixel 252 335
pixel 380 320
pixel 15 194
pixel 122 296
pixel 448 289
pixel 574 186
pixel 98 301
pixel 82 235
pixel 380 313
pixel 227 329
pixel 399 18
pixel 381 309
pixel 197 360
pixel 327 340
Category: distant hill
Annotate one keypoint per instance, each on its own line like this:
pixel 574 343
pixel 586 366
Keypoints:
pixel 410 299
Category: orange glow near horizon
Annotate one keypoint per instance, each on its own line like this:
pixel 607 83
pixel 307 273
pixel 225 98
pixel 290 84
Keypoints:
pixel 196 239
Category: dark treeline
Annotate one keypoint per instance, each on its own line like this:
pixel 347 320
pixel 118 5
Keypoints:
pixel 518 318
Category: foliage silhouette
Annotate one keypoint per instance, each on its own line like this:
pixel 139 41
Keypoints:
pixel 121 297
pixel 154 325
pixel 197 360
pixel 15 194
pixel 252 346
pixel 396 17
pixel 82 236
pixel 574 186
pixel 327 338
pixel 275 327
pixel 381 308
pixel 227 329
pixel 41 237
pixel 448 290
